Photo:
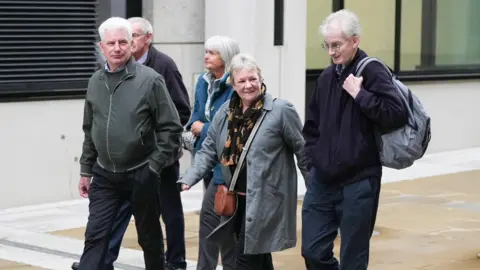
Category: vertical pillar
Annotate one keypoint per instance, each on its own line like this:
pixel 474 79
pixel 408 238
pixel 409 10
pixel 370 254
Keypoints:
pixel 178 31
pixel 251 22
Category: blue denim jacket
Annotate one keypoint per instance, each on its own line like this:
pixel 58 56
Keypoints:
pixel 198 114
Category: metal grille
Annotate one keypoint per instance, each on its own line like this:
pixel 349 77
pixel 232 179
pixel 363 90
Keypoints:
pixel 46 45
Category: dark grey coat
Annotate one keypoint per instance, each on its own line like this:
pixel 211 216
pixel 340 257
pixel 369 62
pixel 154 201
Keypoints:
pixel 271 205
pixel 133 124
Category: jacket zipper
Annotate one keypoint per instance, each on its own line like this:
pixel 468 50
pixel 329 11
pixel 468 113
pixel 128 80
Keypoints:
pixel 108 124
pixel 110 113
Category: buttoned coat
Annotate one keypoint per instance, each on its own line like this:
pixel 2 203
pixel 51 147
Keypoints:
pixel 271 202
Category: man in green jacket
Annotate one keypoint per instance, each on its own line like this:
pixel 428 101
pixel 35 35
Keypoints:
pixel 132 131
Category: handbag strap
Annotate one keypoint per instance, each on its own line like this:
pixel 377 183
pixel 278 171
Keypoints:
pixel 245 150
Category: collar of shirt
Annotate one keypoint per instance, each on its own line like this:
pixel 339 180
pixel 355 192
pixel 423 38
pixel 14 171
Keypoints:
pixel 142 59
pixel 107 68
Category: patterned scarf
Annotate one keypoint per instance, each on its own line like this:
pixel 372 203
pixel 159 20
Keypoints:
pixel 240 125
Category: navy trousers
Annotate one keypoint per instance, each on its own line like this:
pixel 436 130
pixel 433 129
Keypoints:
pixel 352 209
pixel 171 210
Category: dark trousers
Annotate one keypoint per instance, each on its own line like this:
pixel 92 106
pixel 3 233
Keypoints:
pixel 207 249
pixel 247 261
pixel 108 192
pixel 353 209
pixel 207 179
pixel 171 210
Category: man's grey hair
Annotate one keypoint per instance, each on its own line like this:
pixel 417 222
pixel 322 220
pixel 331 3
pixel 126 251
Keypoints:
pixel 227 47
pixel 346 20
pixel 147 27
pixel 243 61
pixel 115 23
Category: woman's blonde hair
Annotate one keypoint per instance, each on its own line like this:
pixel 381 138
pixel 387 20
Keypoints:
pixel 243 61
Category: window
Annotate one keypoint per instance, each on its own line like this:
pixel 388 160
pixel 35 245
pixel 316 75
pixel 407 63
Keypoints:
pixel 317 10
pixel 449 39
pixel 47 46
pixel 377 38
pixel 457 33
pixel 378 26
pixel 418 39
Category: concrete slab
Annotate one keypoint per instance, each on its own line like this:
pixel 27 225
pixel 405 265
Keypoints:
pixel 429 223
pixel 17 266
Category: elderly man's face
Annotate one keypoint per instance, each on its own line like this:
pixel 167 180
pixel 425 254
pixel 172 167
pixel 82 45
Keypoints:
pixel 340 48
pixel 247 84
pixel 213 61
pixel 141 40
pixel 116 48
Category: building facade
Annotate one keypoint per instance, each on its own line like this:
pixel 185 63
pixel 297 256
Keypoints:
pixel 48 54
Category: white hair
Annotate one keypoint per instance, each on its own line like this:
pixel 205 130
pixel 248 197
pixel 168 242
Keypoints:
pixel 146 25
pixel 115 23
pixel 345 20
pixel 243 61
pixel 227 47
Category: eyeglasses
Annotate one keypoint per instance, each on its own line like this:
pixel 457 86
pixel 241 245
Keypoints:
pixel 135 35
pixel 334 46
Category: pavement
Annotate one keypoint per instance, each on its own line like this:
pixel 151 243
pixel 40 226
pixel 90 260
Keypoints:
pixel 429 218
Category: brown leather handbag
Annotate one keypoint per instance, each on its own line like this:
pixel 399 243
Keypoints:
pixel 226 198
pixel 225 201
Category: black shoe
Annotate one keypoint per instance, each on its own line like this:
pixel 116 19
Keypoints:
pixel 75 265
pixel 169 266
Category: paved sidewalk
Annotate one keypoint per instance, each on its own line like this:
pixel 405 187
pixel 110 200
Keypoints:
pixel 17 266
pixel 430 223
pixel 429 218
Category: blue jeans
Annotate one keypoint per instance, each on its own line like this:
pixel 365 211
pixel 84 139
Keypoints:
pixel 353 209
pixel 172 215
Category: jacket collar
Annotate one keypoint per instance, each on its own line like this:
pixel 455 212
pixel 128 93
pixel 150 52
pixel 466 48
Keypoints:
pixel 130 68
pixel 268 102
pixel 207 77
pixel 339 69
pixel 151 52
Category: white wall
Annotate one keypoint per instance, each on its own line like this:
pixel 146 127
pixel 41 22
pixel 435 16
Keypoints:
pixel 178 27
pixel 40 144
pixel 455 111
pixel 251 23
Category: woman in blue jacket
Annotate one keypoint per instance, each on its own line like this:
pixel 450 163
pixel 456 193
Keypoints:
pixel 211 92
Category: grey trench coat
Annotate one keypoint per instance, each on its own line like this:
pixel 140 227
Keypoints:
pixel 271 202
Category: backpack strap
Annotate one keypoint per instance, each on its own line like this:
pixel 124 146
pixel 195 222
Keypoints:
pixel 365 61
pixel 407 96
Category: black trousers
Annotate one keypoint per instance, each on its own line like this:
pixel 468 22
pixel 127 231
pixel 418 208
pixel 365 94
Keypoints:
pixel 171 210
pixel 108 191
pixel 248 261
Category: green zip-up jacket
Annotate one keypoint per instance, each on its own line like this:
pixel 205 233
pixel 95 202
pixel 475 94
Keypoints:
pixel 131 125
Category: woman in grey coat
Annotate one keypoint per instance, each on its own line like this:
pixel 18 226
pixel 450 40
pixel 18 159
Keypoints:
pixel 266 189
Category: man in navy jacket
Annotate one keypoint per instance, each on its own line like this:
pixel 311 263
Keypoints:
pixel 344 186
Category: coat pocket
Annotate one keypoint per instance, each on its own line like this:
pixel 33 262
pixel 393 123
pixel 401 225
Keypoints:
pixel 271 208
